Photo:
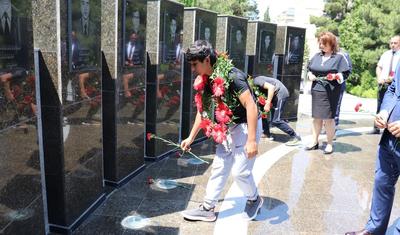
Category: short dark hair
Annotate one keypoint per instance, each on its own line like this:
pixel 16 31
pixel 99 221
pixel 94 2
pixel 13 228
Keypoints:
pixel 199 50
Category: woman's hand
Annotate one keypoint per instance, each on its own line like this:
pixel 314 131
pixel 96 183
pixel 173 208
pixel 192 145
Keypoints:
pixel 311 76
pixel 185 144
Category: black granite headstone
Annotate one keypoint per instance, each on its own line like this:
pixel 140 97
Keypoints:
pixel 232 38
pixel 261 48
pixel 71 122
pixel 164 72
pixel 290 51
pixel 20 172
pixel 124 97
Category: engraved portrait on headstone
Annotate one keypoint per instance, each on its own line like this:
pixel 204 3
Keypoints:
pixel 85 33
pixel 267 47
pixel 295 48
pixel 173 37
pixel 206 29
pixel 237 45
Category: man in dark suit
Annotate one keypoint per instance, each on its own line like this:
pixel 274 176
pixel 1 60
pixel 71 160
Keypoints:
pixel 388 163
pixel 294 54
pixel 9 24
pixel 172 42
pixel 133 51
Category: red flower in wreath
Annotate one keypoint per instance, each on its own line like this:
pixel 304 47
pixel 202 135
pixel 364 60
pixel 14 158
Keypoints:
pixel 264 115
pixel 219 133
pixel 218 88
pixel 223 113
pixel 200 82
pixel 206 125
pixel 261 100
pixel 199 102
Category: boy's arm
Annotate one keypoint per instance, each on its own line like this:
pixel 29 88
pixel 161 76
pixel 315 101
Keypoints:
pixel 185 144
pixel 246 99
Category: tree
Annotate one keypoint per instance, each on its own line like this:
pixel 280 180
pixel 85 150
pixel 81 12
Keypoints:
pixel 334 12
pixel 365 33
pixel 267 18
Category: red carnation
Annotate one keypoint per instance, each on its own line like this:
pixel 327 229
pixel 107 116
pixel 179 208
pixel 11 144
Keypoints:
pixel 200 82
pixel 391 74
pixel 199 102
pixel 330 77
pixel 149 136
pixel 264 115
pixel 223 113
pixel 337 77
pixel 218 88
pixel 207 126
pixel 261 100
pixel 150 180
pixel 358 107
pixel 219 133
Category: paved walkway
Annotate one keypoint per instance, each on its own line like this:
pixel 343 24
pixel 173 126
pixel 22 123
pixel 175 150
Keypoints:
pixel 304 192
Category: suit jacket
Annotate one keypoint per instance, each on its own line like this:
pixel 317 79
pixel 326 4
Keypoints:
pixel 391 103
pixel 137 57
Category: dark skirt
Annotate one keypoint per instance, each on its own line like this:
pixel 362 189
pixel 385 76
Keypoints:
pixel 324 103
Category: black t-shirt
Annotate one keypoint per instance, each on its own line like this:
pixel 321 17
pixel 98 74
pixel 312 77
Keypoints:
pixel 281 92
pixel 238 86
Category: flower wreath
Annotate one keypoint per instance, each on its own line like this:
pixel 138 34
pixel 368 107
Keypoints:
pixel 215 97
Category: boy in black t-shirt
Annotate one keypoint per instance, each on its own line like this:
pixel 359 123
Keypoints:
pixel 277 95
pixel 237 153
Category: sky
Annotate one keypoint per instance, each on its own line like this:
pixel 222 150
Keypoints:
pixel 276 7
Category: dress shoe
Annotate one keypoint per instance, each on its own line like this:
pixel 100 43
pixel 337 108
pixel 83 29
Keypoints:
pixel 312 147
pixel 362 232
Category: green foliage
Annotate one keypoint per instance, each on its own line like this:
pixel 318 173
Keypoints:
pixel 367 86
pixel 244 8
pixel 365 33
pixel 267 18
pixel 334 12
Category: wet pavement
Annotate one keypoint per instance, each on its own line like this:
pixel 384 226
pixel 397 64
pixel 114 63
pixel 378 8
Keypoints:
pixel 305 192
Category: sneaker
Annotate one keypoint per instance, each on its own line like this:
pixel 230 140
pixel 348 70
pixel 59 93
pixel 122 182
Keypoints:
pixel 252 208
pixel 294 141
pixel 200 214
pixel 90 122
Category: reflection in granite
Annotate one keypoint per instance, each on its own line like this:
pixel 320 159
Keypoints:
pixel 124 77
pixel 20 186
pixel 163 89
pixel 70 108
pixel 21 202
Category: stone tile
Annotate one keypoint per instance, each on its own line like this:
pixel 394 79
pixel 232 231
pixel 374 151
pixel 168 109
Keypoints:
pixel 97 224
pixel 119 206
